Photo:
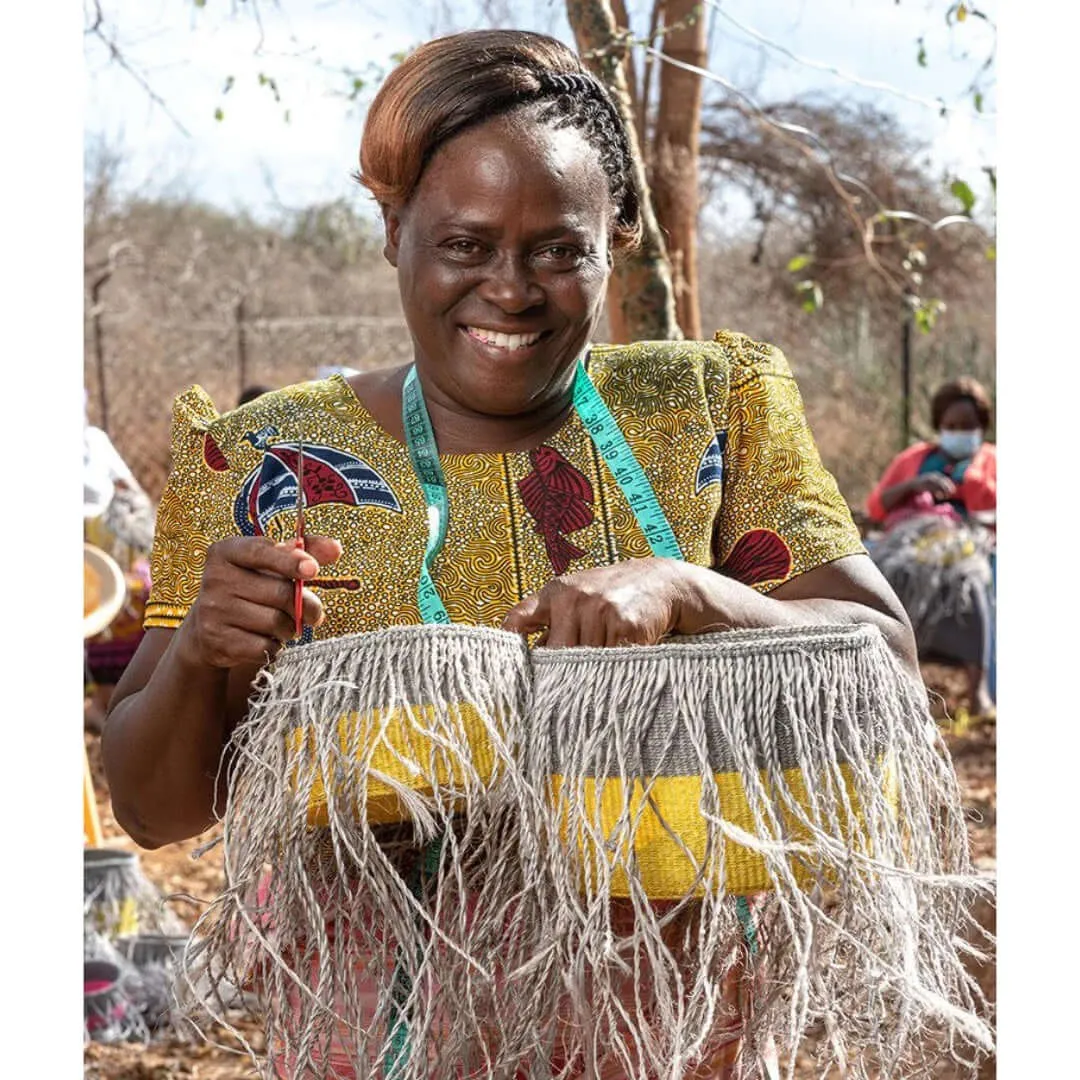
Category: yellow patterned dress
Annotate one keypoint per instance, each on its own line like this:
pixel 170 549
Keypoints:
pixel 718 428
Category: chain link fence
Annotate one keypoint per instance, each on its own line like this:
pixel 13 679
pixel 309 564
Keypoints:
pixel 182 295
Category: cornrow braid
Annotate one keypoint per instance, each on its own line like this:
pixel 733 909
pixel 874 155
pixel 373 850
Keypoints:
pixel 579 100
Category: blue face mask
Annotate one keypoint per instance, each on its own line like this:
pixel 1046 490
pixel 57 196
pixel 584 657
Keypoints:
pixel 960 445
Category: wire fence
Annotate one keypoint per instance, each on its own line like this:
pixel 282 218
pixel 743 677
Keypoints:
pixel 133 372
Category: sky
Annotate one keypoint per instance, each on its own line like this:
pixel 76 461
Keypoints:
pixel 255 159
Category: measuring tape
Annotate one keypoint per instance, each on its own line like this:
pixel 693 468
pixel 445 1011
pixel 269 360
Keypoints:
pixel 606 436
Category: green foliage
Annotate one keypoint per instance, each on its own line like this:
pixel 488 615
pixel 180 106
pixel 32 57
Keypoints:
pixel 811 298
pixel 799 262
pixel 964 193
pixel 926 312
pixel 271 83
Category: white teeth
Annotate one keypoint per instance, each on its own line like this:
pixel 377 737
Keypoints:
pixel 503 341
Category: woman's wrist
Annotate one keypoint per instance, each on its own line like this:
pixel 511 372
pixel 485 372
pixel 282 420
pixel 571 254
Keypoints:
pixel 707 600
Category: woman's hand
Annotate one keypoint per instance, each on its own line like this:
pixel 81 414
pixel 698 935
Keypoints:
pixel 244 610
pixel 629 603
pixel 937 484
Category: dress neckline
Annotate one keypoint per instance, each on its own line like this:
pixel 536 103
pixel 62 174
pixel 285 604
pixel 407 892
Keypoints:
pixel 556 437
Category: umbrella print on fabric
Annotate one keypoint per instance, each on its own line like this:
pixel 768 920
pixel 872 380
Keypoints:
pixel 330 476
pixel 758 556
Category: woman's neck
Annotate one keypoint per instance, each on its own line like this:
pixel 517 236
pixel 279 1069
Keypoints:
pixel 459 430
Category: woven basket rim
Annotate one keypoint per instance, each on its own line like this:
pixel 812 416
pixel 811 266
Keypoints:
pixel 412 633
pixel 728 644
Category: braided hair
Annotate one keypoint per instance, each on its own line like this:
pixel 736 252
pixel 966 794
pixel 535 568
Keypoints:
pixel 577 99
pixel 453 83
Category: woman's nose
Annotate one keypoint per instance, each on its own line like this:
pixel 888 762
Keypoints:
pixel 511 285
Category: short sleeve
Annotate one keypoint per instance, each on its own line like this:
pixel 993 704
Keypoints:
pixel 196 510
pixel 782 513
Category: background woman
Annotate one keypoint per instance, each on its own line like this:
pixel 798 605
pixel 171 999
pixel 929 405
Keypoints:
pixel 937 501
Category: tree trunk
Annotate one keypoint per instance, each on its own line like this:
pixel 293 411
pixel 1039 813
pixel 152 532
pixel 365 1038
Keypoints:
pixel 641 301
pixel 675 153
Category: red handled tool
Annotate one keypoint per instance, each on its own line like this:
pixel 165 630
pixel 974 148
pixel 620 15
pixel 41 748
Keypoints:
pixel 298 596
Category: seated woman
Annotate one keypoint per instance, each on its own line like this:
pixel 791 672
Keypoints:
pixel 937 501
pixel 119 519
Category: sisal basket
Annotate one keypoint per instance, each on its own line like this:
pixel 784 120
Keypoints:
pixel 447 855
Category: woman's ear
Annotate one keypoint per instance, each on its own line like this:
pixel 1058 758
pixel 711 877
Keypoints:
pixel 392 231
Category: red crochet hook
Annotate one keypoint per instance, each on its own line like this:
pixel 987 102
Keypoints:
pixel 298 595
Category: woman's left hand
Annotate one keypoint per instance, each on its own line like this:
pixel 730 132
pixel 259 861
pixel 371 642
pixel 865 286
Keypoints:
pixel 636 602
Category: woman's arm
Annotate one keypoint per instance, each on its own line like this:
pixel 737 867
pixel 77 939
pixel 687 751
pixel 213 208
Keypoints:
pixel 978 488
pixel 168 722
pixel 185 690
pixel 900 481
pixel 849 590
pixel 640 601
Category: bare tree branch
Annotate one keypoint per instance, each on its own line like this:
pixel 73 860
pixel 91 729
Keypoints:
pixel 97 29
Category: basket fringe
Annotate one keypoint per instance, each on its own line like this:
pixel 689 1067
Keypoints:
pixel 490 862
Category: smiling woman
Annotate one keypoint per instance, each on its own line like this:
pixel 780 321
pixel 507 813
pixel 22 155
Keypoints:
pixel 514 477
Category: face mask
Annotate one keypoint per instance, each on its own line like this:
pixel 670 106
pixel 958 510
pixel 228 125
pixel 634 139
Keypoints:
pixel 960 445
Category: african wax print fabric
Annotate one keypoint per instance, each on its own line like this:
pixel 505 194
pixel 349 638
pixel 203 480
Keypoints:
pixel 718 428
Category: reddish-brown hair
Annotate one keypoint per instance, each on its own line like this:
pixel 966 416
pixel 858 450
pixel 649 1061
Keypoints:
pixel 455 82
pixel 962 389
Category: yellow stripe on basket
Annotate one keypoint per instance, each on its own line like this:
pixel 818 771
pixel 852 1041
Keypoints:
pixel 667 867
pixel 411 746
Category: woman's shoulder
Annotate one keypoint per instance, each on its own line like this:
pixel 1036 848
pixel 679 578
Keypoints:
pixel 730 355
pixel 308 406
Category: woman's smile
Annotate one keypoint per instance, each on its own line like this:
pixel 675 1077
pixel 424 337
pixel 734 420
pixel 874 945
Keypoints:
pixel 508 341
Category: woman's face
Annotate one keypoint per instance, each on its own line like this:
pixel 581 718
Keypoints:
pixel 502 260
pixel 961 415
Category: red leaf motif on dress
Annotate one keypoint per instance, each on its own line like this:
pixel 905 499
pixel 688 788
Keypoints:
pixel 213 456
pixel 559 498
pixel 759 555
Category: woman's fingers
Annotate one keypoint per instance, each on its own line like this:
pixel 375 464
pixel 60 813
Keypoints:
pixel 527 615
pixel 261 554
pixel 564 631
pixel 325 550
pixel 246 604
pixel 623 604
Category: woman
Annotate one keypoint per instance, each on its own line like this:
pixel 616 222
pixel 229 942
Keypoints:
pixel 937 501
pixel 501 169
pixel 118 518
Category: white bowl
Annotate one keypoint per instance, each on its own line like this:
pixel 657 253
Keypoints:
pixel 111 588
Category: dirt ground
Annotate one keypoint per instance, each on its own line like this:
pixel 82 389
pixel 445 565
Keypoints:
pixel 173 870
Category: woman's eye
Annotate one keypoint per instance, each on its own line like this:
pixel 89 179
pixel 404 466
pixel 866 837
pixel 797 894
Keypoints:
pixel 463 248
pixel 562 255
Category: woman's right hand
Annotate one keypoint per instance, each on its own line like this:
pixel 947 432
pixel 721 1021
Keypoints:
pixel 937 484
pixel 244 610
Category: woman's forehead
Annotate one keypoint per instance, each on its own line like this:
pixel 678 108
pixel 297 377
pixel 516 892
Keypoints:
pixel 503 163
pixel 962 409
